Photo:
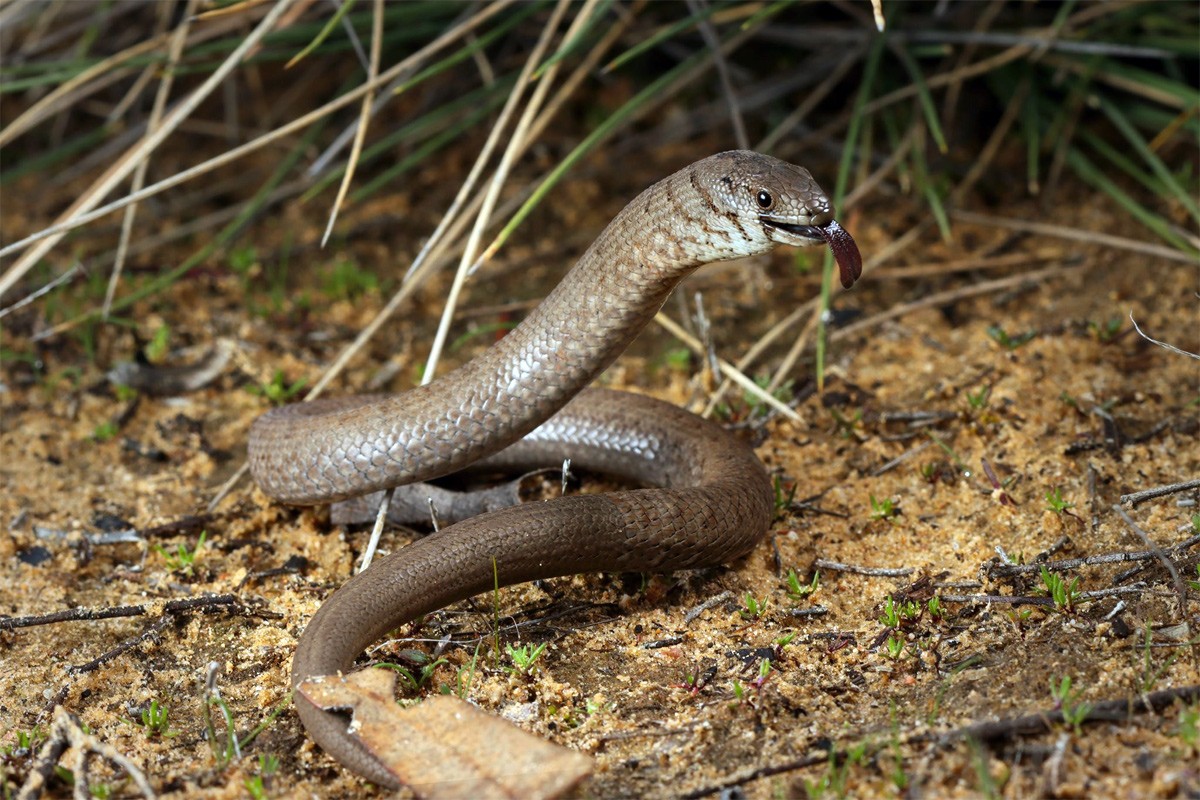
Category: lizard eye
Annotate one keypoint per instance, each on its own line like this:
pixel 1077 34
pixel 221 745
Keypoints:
pixel 764 199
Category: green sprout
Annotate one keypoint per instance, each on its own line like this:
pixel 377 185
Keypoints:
pixel 1056 503
pixel 884 509
pixel 155 722
pixel 1006 341
pixel 524 657
pixel 753 608
pixel 1064 595
pixel 978 400
pixel 278 390
pixel 1067 699
pixel 798 590
pixel 183 560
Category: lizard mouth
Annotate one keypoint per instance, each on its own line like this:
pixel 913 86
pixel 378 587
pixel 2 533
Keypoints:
pixel 845 251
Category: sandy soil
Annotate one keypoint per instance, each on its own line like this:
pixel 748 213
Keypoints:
pixel 914 410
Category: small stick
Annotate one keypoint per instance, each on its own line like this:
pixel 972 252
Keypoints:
pixel 1180 588
pixel 1009 570
pixel 1132 500
pixel 91 614
pixel 690 616
pixel 881 572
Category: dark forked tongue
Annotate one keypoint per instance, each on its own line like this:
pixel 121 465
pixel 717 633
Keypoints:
pixel 845 252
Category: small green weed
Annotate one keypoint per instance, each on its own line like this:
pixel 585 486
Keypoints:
pixel 347 280
pixel 156 348
pixel 784 497
pixel 1067 700
pixel 1056 503
pixel 105 431
pixel 464 677
pixel 884 509
pixel 183 560
pixel 1107 330
pixel 1064 595
pixel 979 400
pixel 424 667
pixel 523 658
pixel 278 390
pixel 895 614
pixel 26 742
pixel 847 427
pixel 753 608
pixel 894 646
pixel 256 785
pixel 797 590
pixel 155 722
pixel 1189 726
pixel 936 609
pixel 1006 341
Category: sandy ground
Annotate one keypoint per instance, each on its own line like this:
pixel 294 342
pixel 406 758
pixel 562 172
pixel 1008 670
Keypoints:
pixel 914 409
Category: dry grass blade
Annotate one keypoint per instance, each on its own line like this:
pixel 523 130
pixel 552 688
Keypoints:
pixel 364 118
pixel 174 51
pixel 517 145
pixel 121 170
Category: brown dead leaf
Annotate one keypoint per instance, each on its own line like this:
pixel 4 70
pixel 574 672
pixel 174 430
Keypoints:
pixel 447 748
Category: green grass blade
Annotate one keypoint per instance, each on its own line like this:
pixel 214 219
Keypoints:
pixel 923 95
pixel 654 39
pixel 343 8
pixel 1122 124
pixel 870 74
pixel 1097 178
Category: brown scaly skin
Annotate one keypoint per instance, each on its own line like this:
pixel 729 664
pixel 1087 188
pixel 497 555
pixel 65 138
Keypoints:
pixel 713 499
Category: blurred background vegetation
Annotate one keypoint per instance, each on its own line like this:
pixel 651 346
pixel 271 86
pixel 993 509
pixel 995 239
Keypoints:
pixel 128 126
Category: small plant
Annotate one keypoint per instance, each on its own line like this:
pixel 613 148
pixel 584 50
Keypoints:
pixel 783 497
pixel 999 490
pixel 1189 726
pixel 1006 341
pixel 891 614
pixel 1066 699
pixel 278 390
pixel 26 742
pixel 678 359
pixel 884 509
pixel 1056 503
pixel 347 280
pixel 739 691
pixel 895 614
pixel 1064 595
pixel 936 609
pixel 424 669
pixel 1106 331
pixel 783 641
pixel 156 348
pixel 756 406
pixel 256 785
pixel 1020 616
pixel 753 608
pixel 155 722
pixel 1195 585
pixel 183 559
pixel 463 677
pixel 105 431
pixel 894 646
pixel 764 672
pixel 524 658
pixel 797 590
pixel 847 427
pixel 978 400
